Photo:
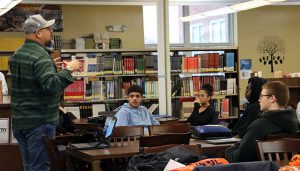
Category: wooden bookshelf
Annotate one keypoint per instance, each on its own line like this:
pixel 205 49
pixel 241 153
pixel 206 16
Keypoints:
pixel 115 70
pixel 175 72
pixel 216 69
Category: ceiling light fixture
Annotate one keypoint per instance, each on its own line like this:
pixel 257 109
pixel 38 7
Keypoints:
pixel 231 9
pixel 6 5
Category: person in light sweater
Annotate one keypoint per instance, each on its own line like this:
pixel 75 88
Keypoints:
pixel 3 84
pixel 132 113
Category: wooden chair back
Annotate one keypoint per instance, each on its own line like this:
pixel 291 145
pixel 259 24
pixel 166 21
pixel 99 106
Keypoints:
pixel 275 150
pixel 123 134
pixel 127 133
pixel 169 128
pixel 283 135
pixel 157 149
pixel 56 162
pixel 165 139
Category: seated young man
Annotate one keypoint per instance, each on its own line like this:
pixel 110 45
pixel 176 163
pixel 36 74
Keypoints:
pixel 275 118
pixel 132 113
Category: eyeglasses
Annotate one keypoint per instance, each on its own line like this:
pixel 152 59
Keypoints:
pixel 261 95
pixel 46 28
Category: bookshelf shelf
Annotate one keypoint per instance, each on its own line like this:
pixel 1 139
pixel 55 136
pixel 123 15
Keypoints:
pixel 214 48
pixel 228 118
pixel 116 75
pixel 106 100
pixel 201 74
pixel 106 50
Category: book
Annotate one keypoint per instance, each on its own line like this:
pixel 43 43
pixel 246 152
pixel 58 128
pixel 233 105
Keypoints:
pixel 153 107
pixel 98 108
pixel 75 91
pixel 229 61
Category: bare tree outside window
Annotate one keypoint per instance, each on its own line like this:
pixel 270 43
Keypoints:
pixel 271 49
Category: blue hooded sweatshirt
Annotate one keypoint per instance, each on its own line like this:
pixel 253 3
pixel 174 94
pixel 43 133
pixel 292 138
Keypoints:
pixel 130 116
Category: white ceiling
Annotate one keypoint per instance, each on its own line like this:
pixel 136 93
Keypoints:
pixel 145 2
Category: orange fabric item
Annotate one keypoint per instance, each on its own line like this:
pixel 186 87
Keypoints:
pixel 295 161
pixel 205 162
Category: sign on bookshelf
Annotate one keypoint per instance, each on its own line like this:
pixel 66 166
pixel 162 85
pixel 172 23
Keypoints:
pixel 4 130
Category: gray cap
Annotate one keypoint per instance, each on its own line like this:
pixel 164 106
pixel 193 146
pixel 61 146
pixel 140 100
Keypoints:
pixel 36 22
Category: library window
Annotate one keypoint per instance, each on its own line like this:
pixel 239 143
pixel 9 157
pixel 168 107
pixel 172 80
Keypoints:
pixel 175 25
pixel 217 31
pixel 197 33
pixel 212 30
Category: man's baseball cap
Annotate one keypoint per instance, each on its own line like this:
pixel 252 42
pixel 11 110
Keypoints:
pixel 36 22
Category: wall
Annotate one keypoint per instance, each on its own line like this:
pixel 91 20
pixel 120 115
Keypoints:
pixel 80 20
pixel 281 21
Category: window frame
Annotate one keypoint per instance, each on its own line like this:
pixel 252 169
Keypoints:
pixel 186 34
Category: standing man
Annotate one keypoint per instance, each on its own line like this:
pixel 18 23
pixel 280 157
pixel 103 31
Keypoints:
pixel 275 119
pixel 36 89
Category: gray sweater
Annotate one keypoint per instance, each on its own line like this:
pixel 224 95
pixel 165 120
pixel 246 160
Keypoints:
pixel 130 116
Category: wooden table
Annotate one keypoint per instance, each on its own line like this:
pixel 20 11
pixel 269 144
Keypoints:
pixel 116 150
pixel 216 149
pixel 83 123
pixel 125 149
pixel 168 120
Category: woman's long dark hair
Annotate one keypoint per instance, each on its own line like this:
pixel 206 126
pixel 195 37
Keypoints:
pixel 256 84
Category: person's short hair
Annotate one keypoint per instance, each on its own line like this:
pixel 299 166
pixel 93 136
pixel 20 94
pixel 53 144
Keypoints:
pixel 36 22
pixel 208 88
pixel 279 90
pixel 135 89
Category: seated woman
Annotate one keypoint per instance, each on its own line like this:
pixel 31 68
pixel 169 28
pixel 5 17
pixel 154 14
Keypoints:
pixel 253 109
pixel 203 113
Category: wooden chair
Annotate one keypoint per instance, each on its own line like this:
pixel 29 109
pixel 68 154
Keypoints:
pixel 169 128
pixel 157 149
pixel 55 159
pixel 276 150
pixel 283 135
pixel 127 133
pixel 165 139
pixel 124 134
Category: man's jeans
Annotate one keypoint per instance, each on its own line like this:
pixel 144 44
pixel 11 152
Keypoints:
pixel 34 153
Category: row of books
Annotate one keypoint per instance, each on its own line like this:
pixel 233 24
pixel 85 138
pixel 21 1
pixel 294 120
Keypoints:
pixel 101 64
pixel 115 63
pixel 224 86
pixel 225 107
pixel 94 89
pixel 208 62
